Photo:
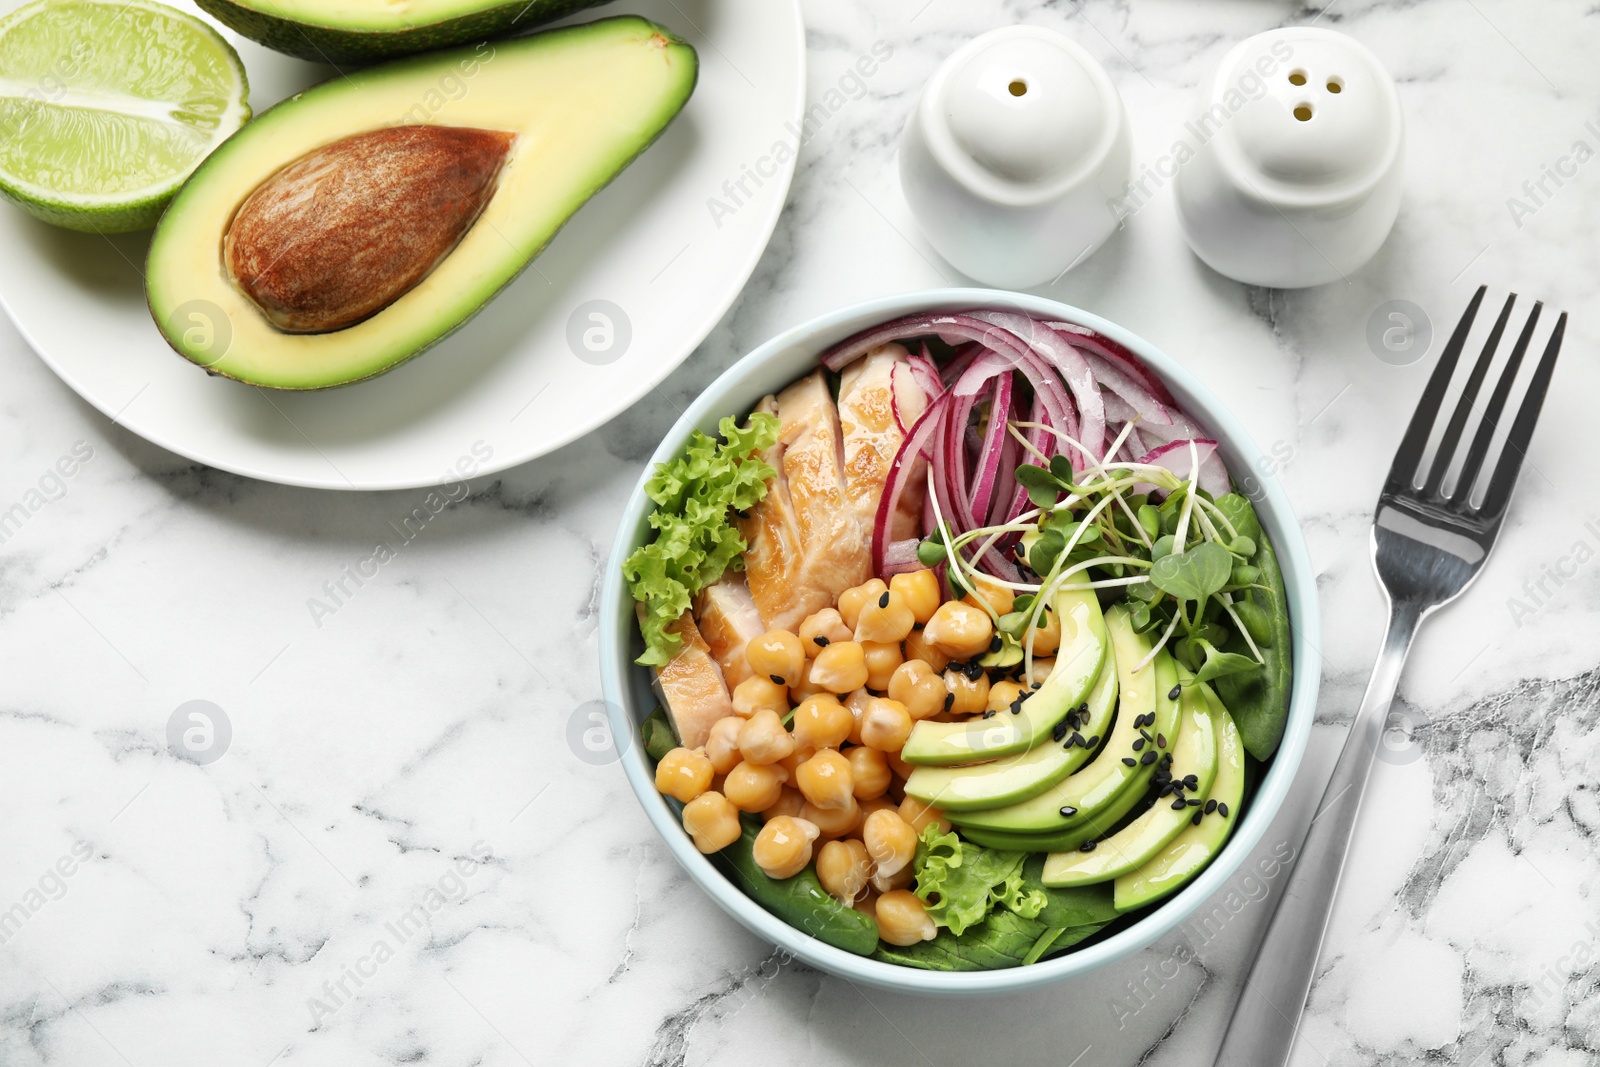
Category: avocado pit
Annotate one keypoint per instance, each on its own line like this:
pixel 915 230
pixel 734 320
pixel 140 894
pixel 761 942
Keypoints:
pixel 344 231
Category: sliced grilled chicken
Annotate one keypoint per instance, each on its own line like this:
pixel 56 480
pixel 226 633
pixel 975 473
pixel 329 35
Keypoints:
pixel 728 620
pixel 878 401
pixel 691 686
pixel 806 543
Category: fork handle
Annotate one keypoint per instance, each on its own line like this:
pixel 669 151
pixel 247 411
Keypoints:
pixel 1261 1033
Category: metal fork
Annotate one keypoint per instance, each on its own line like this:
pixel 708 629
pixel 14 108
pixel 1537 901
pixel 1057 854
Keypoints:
pixel 1428 544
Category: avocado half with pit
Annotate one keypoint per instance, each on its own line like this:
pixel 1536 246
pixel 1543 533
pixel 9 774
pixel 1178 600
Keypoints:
pixel 359 31
pixel 361 222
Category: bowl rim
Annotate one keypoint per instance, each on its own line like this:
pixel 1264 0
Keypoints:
pixel 723 397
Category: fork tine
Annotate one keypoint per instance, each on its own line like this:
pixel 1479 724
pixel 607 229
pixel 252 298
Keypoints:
pixel 1497 404
pixel 1469 395
pixel 1510 463
pixel 1408 457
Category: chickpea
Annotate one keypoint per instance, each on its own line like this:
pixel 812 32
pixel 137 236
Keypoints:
pixel 843 868
pixel 712 821
pixel 903 919
pixel 960 630
pixel 883 658
pixel 918 646
pixel 885 619
pixel 840 667
pixel 920 590
pixel 1046 635
pixel 806 687
pixel 867 903
pixel 885 725
pixel 877 804
pixel 920 815
pixel 792 761
pixel 869 769
pixel 919 687
pixel 683 774
pixel 789 802
pixel 822 722
pixel 856 703
pixel 783 847
pixel 722 747
pixel 851 601
pixel 776 655
pixel 1001 695
pixel 758 693
pixel 821 629
pixel 902 770
pixel 755 787
pixel 970 695
pixel 890 840
pixel 887 883
pixel 826 780
pixel 1041 671
pixel 987 591
pixel 833 822
pixel 763 739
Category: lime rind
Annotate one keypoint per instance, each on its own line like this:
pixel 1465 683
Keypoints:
pixel 107 108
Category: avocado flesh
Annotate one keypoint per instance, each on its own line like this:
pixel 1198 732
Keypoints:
pixel 583 102
pixel 1187 854
pixel 1083 650
pixel 358 31
pixel 1110 807
pixel 1016 778
pixel 1194 752
pixel 1092 789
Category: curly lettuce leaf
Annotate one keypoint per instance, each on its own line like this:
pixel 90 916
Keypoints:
pixel 695 542
pixel 962 883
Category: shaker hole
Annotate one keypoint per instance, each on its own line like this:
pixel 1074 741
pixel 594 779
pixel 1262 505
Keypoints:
pixel 1303 112
pixel 1019 87
pixel 1297 77
pixel 1335 85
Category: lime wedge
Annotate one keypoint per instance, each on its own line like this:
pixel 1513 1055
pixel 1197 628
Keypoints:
pixel 106 108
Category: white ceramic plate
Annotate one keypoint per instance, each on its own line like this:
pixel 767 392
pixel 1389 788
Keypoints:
pixel 509 387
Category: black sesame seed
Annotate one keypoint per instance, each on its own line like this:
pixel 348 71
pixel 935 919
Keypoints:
pixel 990 714
pixel 1191 782
pixel 1130 761
pixel 1211 806
pixel 1087 846
pixel 1059 732
pixel 821 641
pixel 1093 741
pixel 949 701
pixel 1194 802
pixel 1178 805
pixel 1138 743
pixel 974 671
pixel 883 601
pixel 1161 740
pixel 1148 758
pixel 1068 812
pixel 1196 819
pixel 1146 735
pixel 777 679
pixel 1222 809
pixel 994 643
pixel 1078 740
pixel 1163 789
pixel 1172 694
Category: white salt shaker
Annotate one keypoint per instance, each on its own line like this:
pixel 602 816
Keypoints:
pixel 1015 155
pixel 1297 178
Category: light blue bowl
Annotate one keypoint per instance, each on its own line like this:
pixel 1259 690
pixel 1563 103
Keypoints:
pixel 629 698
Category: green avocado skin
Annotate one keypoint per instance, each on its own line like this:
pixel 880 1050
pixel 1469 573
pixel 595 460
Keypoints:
pixel 337 47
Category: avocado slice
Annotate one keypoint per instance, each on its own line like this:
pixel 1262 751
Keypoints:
pixel 1194 753
pixel 1144 693
pixel 1016 778
pixel 570 108
pixel 1112 808
pixel 350 31
pixel 1082 651
pixel 1188 853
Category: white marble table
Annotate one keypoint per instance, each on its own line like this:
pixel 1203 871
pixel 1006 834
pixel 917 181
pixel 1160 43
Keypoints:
pixel 400 859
